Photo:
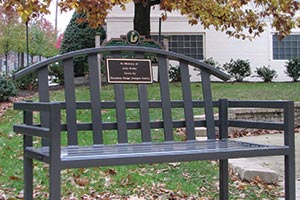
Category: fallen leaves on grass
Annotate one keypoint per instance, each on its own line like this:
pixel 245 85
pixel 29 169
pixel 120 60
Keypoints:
pixel 8 104
pixel 245 133
pixel 14 178
pixel 243 187
pixel 3 107
pixel 111 172
pixel 82 181
pixel 181 132
pixel 157 191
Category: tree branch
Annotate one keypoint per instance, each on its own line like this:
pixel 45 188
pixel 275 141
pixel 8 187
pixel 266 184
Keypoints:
pixel 154 2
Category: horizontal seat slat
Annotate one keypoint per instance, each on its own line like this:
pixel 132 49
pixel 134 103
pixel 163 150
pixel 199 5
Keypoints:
pixel 231 148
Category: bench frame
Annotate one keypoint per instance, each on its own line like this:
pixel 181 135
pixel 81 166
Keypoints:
pixel 99 154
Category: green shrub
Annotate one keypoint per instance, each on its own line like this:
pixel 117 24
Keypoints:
pixel 7 88
pixel 210 61
pixel 239 69
pixel 57 72
pixel 293 68
pixel 80 66
pixel 27 82
pixel 266 73
pixel 174 73
pixel 79 36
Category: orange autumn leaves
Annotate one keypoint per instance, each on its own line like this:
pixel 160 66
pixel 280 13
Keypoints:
pixel 237 18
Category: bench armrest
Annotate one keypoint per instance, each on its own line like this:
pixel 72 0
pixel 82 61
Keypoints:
pixel 32 130
pixel 36 106
pixel 51 126
pixel 287 124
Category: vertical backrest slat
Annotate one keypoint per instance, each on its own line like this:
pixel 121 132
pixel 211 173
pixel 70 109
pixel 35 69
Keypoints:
pixel 144 107
pixel 144 113
pixel 95 82
pixel 223 119
pixel 165 97
pixel 289 124
pixel 28 120
pixel 120 108
pixel 70 101
pixel 121 113
pixel 187 100
pixel 208 105
pixel 44 97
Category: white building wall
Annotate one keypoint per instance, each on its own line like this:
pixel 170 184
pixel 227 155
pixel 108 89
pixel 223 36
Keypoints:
pixel 217 45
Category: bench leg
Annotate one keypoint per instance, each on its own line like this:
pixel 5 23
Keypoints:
pixel 289 176
pixel 28 178
pixel 223 179
pixel 54 184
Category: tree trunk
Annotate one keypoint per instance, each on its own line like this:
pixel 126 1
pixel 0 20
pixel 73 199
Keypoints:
pixel 142 17
pixel 21 60
pixel 6 64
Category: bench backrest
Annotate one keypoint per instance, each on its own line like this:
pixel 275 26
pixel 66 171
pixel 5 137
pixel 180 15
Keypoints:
pixel 140 101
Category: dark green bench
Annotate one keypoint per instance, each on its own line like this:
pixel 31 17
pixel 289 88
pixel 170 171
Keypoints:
pixel 53 121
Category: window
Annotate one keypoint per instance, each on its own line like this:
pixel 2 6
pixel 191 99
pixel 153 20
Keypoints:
pixel 287 48
pixel 189 45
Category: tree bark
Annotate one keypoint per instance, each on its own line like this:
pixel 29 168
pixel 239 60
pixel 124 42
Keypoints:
pixel 6 64
pixel 21 60
pixel 142 17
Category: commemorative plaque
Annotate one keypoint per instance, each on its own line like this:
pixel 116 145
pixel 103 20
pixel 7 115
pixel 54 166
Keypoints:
pixel 120 70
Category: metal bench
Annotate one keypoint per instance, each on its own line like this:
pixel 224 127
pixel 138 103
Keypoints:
pixel 58 117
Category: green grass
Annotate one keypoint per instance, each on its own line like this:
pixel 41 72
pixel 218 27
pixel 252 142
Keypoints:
pixel 257 91
pixel 197 179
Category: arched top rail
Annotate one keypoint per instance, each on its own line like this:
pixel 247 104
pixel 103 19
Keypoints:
pixel 117 49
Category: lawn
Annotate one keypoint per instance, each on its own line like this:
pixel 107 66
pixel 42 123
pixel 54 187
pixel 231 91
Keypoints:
pixel 174 180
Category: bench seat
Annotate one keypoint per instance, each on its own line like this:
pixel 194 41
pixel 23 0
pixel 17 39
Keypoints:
pixel 120 154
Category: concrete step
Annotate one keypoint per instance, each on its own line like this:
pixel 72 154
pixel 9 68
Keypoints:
pixel 200 131
pixel 248 169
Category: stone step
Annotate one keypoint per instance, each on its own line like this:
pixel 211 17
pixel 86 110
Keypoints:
pixel 248 170
pixel 200 131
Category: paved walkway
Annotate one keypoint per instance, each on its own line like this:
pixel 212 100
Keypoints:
pixel 275 163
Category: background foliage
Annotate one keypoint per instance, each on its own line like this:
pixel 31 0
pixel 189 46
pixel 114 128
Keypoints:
pixel 266 73
pixel 42 37
pixel 237 18
pixel 238 69
pixel 293 68
pixel 79 36
pixel 7 88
